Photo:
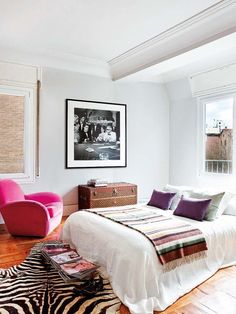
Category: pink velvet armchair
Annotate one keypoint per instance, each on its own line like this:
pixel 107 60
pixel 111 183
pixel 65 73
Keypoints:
pixel 29 215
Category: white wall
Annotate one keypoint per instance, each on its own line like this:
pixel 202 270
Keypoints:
pixel 148 133
pixel 183 133
pixel 184 154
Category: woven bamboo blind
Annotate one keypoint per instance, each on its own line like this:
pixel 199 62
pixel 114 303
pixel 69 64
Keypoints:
pixel 11 133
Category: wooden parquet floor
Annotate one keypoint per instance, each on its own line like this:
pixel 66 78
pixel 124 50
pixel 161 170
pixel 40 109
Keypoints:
pixel 13 250
pixel 217 295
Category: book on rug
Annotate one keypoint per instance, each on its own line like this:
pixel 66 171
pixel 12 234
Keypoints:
pixel 79 269
pixel 52 249
pixel 65 257
pixel 67 261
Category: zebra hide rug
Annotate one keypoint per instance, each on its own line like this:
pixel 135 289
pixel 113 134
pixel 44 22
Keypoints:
pixel 30 287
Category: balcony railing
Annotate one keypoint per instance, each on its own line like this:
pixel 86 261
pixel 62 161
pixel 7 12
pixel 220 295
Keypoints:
pixel 218 166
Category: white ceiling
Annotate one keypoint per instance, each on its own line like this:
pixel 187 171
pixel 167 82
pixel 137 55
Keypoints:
pixel 96 32
pixel 96 29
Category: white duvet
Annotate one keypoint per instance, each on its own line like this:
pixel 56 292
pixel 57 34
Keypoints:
pixel 131 263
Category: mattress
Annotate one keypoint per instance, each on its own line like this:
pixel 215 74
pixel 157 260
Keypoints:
pixel 130 260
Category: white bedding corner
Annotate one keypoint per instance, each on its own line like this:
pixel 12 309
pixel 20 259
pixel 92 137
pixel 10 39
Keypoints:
pixel 131 263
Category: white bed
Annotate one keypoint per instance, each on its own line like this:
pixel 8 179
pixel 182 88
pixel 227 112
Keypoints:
pixel 131 263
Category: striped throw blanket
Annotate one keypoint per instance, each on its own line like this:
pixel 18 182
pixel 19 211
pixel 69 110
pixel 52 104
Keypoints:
pixel 175 241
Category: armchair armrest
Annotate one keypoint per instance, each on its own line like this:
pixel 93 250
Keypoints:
pixel 26 217
pixel 44 197
pixel 23 208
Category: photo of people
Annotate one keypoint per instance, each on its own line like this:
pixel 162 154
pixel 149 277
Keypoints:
pixel 96 134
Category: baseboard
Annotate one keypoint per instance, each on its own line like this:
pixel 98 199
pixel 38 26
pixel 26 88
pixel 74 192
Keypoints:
pixel 69 209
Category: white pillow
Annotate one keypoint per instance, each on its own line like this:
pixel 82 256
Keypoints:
pixel 225 201
pixel 231 207
pixel 180 191
pixel 211 191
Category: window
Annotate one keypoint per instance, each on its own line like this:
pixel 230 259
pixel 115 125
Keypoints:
pixel 218 133
pixel 17 129
pixel 12 133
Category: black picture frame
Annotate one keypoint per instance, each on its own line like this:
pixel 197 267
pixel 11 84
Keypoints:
pixel 96 134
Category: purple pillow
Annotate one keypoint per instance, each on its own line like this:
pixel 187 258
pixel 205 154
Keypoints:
pixel 192 208
pixel 161 199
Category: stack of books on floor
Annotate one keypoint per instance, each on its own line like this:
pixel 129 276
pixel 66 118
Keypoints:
pixel 97 182
pixel 68 262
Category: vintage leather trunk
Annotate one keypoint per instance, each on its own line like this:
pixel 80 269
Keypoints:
pixel 115 194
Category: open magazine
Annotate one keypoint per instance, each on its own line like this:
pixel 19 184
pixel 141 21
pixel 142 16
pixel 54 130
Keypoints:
pixel 67 261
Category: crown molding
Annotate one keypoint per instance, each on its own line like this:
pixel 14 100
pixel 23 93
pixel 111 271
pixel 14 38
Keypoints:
pixel 58 60
pixel 200 29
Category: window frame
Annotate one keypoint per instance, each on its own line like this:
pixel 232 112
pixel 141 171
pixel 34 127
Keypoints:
pixel 202 101
pixel 28 175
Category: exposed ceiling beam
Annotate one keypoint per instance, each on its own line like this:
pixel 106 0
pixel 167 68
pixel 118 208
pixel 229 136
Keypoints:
pixel 213 23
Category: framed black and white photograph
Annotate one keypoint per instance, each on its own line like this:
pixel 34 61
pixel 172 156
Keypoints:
pixel 95 134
